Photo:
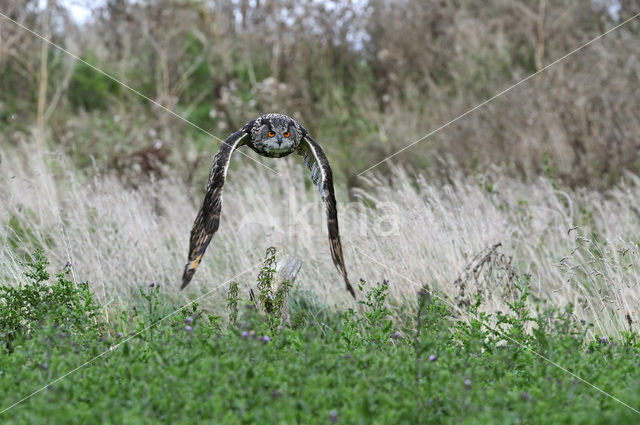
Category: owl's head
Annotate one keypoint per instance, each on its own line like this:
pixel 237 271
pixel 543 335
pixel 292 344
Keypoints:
pixel 275 135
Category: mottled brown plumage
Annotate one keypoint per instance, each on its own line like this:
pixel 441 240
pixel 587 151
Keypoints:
pixel 271 135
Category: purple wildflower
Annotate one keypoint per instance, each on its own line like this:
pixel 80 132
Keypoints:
pixel 396 335
pixel 119 335
pixel 188 328
pixel 266 339
pixel 244 334
pixel 604 340
pixel 433 358
pixel 152 284
pixel 188 320
pixel 467 382
pixel 333 416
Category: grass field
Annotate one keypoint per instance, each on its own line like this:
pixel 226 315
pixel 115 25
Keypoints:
pixel 321 366
pixel 512 272
pixel 493 239
pixel 402 228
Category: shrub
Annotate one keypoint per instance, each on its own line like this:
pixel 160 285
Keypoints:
pixel 42 302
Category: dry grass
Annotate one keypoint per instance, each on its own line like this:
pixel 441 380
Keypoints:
pixel 119 238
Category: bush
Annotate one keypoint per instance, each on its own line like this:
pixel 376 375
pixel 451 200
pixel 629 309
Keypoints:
pixel 91 90
pixel 40 303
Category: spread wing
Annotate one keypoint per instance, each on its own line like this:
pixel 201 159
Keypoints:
pixel 208 218
pixel 321 175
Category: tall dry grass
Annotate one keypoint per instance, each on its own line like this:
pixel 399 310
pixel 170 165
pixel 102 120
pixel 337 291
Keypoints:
pixel 579 247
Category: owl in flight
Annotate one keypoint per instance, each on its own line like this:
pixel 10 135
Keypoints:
pixel 274 136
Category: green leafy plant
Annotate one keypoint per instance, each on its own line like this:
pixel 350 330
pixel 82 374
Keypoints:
pixel 232 302
pixel 265 280
pixel 272 298
pixel 375 324
pixel 40 302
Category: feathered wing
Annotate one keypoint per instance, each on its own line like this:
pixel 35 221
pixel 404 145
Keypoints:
pixel 208 218
pixel 322 176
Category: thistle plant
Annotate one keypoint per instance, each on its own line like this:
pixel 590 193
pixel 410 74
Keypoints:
pixel 232 302
pixel 265 280
pixel 272 298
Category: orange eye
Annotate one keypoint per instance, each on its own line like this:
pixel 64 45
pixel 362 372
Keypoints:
pixel 271 134
pixel 286 134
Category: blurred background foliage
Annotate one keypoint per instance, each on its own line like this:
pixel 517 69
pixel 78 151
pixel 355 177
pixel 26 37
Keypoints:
pixel 365 77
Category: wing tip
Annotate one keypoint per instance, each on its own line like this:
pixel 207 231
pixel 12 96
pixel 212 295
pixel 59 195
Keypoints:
pixel 186 276
pixel 350 288
pixel 190 269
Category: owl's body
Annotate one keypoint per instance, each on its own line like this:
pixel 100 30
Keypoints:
pixel 274 136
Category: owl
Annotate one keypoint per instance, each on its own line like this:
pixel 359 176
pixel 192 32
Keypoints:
pixel 274 136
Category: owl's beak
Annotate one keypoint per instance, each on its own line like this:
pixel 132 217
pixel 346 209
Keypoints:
pixel 279 139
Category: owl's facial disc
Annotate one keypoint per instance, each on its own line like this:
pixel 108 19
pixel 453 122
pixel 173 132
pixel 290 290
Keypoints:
pixel 279 139
pixel 275 135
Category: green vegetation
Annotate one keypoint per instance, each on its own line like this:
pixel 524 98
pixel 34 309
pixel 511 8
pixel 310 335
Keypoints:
pixel 426 365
